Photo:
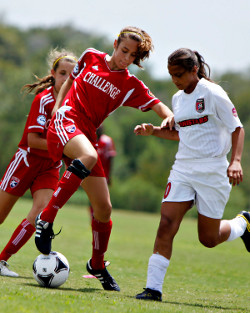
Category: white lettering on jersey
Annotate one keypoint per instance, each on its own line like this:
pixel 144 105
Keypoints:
pixel 102 84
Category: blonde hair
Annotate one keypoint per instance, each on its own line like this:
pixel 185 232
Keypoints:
pixel 145 45
pixel 53 60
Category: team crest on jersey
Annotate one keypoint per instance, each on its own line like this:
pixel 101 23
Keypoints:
pixel 200 105
pixel 71 129
pixel 76 69
pixel 234 112
pixel 151 94
pixel 14 182
pixel 41 120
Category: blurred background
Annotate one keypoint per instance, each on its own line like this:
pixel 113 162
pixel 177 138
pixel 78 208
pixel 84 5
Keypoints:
pixel 219 31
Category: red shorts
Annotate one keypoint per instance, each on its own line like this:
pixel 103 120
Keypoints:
pixel 66 124
pixel 28 171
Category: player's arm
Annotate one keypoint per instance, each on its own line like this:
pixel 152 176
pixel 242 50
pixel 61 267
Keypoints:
pixel 234 171
pixel 165 113
pixel 35 141
pixel 62 94
pixel 149 129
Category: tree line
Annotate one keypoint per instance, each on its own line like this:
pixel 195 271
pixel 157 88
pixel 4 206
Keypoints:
pixel 142 164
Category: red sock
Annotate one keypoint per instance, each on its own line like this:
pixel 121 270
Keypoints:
pixel 18 239
pixel 67 186
pixel 101 233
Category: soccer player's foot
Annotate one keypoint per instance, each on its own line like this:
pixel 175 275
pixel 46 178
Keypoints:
pixel 107 281
pixel 149 294
pixel 44 235
pixel 246 236
pixel 5 271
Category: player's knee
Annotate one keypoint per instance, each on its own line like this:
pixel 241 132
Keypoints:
pixel 89 158
pixel 92 159
pixel 79 169
pixel 208 242
pixel 167 227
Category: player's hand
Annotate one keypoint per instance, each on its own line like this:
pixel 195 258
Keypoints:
pixel 144 129
pixel 235 173
pixel 168 122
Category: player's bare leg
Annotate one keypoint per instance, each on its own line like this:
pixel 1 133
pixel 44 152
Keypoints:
pixel 7 202
pixel 172 214
pixel 215 231
pixel 41 199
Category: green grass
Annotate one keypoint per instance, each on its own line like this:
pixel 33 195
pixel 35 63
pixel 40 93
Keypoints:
pixel 198 279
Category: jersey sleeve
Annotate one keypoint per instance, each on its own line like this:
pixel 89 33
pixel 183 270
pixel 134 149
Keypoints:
pixel 80 65
pixel 225 110
pixel 139 96
pixel 37 119
pixel 176 125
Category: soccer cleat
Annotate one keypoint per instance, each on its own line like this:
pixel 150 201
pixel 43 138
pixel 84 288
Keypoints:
pixel 107 281
pixel 5 271
pixel 149 294
pixel 246 236
pixel 44 235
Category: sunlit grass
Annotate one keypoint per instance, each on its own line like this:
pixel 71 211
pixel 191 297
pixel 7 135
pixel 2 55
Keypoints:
pixel 198 279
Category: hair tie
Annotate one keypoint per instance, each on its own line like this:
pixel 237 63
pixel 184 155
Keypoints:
pixel 63 57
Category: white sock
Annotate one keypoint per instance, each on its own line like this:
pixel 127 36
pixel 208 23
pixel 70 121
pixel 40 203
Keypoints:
pixel 238 226
pixel 157 267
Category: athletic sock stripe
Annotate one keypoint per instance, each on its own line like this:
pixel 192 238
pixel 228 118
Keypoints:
pixel 96 240
pixel 19 237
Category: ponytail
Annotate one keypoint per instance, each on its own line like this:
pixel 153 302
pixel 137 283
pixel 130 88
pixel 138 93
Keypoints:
pixel 40 84
pixel 187 59
pixel 202 73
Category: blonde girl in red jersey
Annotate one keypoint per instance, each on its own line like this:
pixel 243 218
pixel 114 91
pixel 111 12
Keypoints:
pixel 98 85
pixel 31 167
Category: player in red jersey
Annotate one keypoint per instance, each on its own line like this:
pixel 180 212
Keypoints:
pixel 31 167
pixel 98 85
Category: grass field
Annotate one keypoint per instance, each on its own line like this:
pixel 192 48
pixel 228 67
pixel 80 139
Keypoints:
pixel 198 279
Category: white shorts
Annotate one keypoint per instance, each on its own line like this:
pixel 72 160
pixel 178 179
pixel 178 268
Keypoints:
pixel 205 181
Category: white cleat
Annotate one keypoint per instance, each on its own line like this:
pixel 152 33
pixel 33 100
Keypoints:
pixel 5 271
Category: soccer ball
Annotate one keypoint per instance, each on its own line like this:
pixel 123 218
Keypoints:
pixel 51 270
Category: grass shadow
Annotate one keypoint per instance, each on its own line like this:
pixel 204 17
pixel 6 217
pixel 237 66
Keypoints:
pixel 86 290
pixel 195 305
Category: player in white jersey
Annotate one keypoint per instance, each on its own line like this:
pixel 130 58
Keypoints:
pixel 207 125
pixel 98 85
pixel 31 167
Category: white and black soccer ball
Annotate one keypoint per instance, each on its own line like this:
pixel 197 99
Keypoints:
pixel 51 270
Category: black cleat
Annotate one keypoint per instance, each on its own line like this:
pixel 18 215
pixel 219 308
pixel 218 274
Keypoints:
pixel 44 235
pixel 246 236
pixel 107 281
pixel 149 294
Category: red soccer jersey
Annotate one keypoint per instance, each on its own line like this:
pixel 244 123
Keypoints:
pixel 97 90
pixel 38 120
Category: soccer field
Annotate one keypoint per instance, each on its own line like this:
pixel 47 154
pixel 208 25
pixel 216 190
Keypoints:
pixel 198 279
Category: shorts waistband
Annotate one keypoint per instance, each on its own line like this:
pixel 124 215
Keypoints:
pixel 203 160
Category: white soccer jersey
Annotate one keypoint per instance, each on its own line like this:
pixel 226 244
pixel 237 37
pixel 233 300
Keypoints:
pixel 205 120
